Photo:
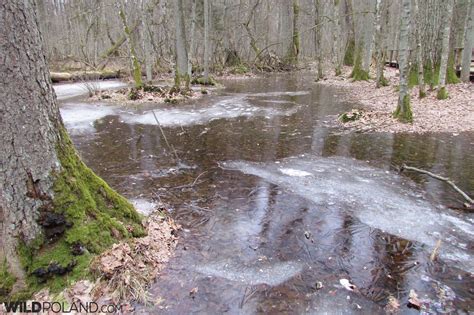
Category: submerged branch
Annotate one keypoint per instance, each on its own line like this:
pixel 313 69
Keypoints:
pixel 444 179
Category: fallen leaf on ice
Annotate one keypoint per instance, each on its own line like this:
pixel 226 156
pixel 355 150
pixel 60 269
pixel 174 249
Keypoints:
pixel 347 285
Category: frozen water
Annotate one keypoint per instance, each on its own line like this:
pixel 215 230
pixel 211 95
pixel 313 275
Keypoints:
pixel 293 172
pixel 143 206
pixel 380 199
pixel 261 272
pixel 279 93
pixel 231 107
pixel 69 90
pixel 79 117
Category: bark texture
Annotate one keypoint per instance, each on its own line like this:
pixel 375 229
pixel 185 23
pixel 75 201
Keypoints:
pixel 447 17
pixel 30 122
pixel 468 44
pixel 181 49
pixel 403 111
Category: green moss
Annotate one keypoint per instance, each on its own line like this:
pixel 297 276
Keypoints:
pixel 451 77
pixel 358 74
pixel 240 69
pixel 349 54
pixel 99 218
pixel 7 280
pixel 202 81
pixel 350 116
pixel 383 81
pixel 413 76
pixel 403 112
pixel 421 94
pixel 442 93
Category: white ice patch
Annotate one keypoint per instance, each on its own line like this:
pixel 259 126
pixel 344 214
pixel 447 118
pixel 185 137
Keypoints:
pixel 279 93
pixel 68 90
pixel 272 274
pixel 143 206
pixel 227 108
pixel 79 118
pixel 293 172
pixel 380 199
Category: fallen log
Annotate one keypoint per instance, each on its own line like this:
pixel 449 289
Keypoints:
pixel 444 179
pixel 83 75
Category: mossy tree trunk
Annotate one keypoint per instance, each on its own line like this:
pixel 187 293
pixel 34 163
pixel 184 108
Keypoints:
pixel 136 67
pixel 41 174
pixel 294 48
pixel 446 24
pixel 403 111
pixel 336 35
pixel 181 52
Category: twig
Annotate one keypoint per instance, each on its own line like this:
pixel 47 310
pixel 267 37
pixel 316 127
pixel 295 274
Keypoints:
pixel 444 179
pixel 164 136
pixel 435 250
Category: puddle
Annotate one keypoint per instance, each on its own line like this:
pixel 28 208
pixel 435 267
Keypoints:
pixel 261 232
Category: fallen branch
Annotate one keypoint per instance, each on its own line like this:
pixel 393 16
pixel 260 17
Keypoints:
pixel 444 179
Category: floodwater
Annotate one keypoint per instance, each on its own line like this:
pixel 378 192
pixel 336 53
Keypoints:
pixel 277 206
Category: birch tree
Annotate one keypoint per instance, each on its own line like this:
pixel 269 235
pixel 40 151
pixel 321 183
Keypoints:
pixel 403 111
pixel 446 24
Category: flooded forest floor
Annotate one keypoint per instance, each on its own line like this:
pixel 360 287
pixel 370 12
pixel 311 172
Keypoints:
pixel 281 210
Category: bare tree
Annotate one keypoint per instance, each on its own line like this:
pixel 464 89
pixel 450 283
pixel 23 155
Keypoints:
pixel 403 111
pixel 468 43
pixel 446 24
pixel 181 69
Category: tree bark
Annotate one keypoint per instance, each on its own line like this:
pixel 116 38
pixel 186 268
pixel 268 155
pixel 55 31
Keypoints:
pixel 206 41
pixel 317 39
pixel 419 52
pixel 191 39
pixel 446 24
pixel 181 49
pixel 403 111
pixel 468 44
pixel 381 27
pixel 41 174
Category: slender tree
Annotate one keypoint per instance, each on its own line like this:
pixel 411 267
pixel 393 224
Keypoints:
pixel 446 24
pixel 381 27
pixel 403 111
pixel 49 200
pixel 181 70
pixel 468 43
pixel 419 51
pixel 206 41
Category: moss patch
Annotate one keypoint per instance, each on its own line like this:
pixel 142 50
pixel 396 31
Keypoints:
pixel 97 217
pixel 7 281
pixel 442 93
pixel 240 69
pixel 349 54
pixel 202 81
pixel 403 112
pixel 358 74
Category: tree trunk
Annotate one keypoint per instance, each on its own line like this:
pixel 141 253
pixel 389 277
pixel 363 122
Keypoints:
pixel 317 39
pixel 419 52
pixel 136 67
pixel 336 35
pixel 446 24
pixel 206 41
pixel 468 44
pixel 294 48
pixel 181 71
pixel 403 111
pixel 191 39
pixel 47 195
pixel 381 27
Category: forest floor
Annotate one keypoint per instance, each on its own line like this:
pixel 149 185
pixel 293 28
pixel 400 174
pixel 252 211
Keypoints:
pixel 453 115
pixel 124 271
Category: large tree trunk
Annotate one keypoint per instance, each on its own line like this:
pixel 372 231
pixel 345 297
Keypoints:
pixel 47 195
pixel 468 44
pixel 446 24
pixel 403 111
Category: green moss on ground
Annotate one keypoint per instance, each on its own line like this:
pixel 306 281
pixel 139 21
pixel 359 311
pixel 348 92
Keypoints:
pixel 202 81
pixel 383 81
pixel 240 69
pixel 97 217
pixel 7 280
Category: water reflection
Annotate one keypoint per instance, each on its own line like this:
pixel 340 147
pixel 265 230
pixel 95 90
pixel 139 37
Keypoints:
pixel 237 224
